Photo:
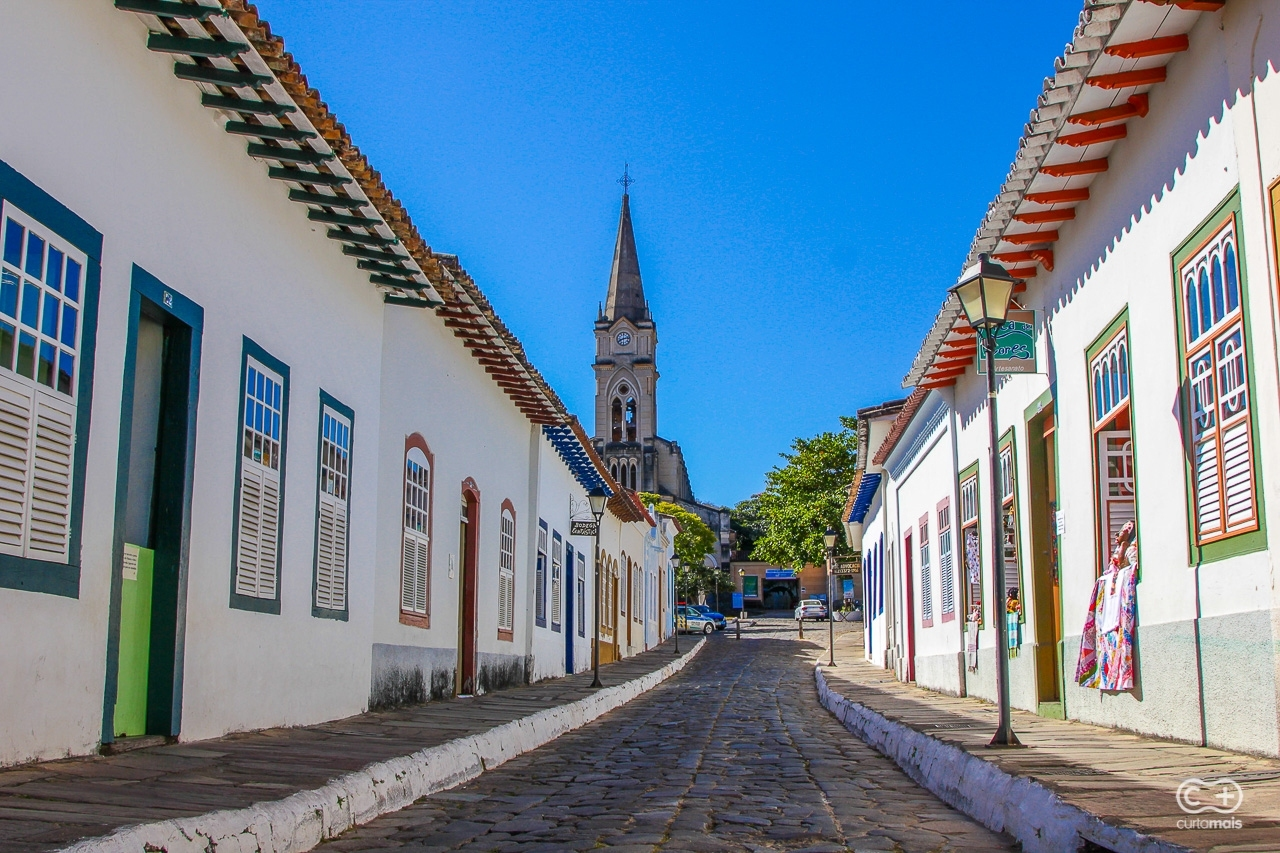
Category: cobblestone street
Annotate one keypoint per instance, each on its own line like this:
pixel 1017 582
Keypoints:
pixel 734 753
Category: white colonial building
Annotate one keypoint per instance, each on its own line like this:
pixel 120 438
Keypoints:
pixel 1142 213
pixel 265 458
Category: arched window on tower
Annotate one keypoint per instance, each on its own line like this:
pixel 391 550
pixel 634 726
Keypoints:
pixel 635 483
pixel 616 420
pixel 613 470
pixel 631 419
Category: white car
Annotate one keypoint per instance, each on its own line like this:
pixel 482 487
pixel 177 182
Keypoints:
pixel 690 621
pixel 811 608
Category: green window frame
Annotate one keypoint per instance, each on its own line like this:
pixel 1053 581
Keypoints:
pixel 256 548
pixel 1215 361
pixel 58 572
pixel 1011 514
pixel 330 598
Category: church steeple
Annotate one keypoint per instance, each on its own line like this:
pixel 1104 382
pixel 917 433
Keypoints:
pixel 626 293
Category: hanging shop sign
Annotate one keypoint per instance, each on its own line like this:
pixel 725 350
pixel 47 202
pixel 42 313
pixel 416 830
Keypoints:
pixel 1015 345
pixel 584 528
pixel 849 565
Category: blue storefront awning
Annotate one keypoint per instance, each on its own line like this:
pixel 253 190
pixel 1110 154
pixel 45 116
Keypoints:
pixel 575 456
pixel 866 491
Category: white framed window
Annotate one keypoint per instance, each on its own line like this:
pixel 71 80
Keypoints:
pixel 581 579
pixel 1115 484
pixel 946 562
pixel 540 578
pixel 1222 455
pixel 42 281
pixel 972 556
pixel 1008 496
pixel 507 572
pixel 557 579
pixel 332 505
pixel 926 576
pixel 261 463
pixel 416 541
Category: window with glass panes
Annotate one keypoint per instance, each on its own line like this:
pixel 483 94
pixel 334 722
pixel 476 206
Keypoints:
pixel 540 578
pixel 946 562
pixel 416 540
pixel 972 543
pixel 42 279
pixel 507 573
pixel 332 514
pixel 1224 490
pixel 1115 492
pixel 926 576
pixel 257 565
pixel 557 575
pixel 1009 518
pixel 581 580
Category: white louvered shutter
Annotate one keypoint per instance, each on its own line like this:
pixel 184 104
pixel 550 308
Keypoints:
pixel 506 572
pixel 15 465
pixel 1115 474
pixel 557 567
pixel 926 577
pixel 42 283
pixel 50 512
pixel 417 541
pixel 946 562
pixel 258 532
pixel 333 494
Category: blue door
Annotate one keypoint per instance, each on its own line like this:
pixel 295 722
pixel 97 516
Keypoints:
pixel 570 601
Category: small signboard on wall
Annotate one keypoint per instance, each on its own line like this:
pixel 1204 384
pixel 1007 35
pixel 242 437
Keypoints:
pixel 850 565
pixel 1015 345
pixel 584 528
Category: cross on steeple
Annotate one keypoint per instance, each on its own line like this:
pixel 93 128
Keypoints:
pixel 626 180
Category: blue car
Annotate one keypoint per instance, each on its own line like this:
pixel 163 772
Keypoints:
pixel 716 618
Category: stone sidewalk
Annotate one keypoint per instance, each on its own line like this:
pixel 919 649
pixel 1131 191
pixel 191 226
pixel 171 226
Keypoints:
pixel 53 804
pixel 1127 781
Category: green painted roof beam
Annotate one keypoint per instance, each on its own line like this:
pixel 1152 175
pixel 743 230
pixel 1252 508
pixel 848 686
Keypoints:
pixel 363 239
pixel 165 43
pixel 409 302
pixel 243 105
pixel 262 131
pixel 302 176
pixel 371 254
pixel 344 201
pixel 406 283
pixel 309 156
pixel 342 219
pixel 169 9
pixel 376 266
pixel 218 76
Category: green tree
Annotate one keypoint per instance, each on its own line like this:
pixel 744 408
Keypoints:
pixel 748 523
pixel 805 496
pixel 693 543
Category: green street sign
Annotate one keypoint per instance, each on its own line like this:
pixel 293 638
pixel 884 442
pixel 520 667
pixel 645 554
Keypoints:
pixel 1015 345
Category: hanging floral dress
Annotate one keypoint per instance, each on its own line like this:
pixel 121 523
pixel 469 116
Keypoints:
pixel 1106 648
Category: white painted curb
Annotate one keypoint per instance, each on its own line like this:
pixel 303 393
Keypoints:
pixel 1033 814
pixel 300 822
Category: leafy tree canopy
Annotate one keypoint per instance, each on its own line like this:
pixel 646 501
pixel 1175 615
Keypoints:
pixel 749 525
pixel 693 543
pixel 804 497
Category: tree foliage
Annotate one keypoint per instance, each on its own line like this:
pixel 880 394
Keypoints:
pixel 749 525
pixel 693 543
pixel 805 496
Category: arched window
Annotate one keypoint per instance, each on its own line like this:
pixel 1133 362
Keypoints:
pixel 1233 280
pixel 635 482
pixel 417 532
pixel 631 419
pixel 615 419
pixel 507 573
pixel 1206 305
pixel 1193 313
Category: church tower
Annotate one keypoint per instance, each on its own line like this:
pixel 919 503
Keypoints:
pixel 626 375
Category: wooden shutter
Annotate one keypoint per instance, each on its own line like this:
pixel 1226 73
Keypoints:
pixel 331 554
pixel 15 465
pixel 413 574
pixel 258 535
pixel 557 566
pixel 926 575
pixel 1115 484
pixel 946 562
pixel 50 516
pixel 506 572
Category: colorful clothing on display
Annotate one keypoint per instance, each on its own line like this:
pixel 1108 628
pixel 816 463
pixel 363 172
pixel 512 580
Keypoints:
pixel 971 646
pixel 1014 631
pixel 1106 647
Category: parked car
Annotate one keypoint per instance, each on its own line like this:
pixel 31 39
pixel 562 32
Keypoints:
pixel 811 608
pixel 692 621
pixel 717 618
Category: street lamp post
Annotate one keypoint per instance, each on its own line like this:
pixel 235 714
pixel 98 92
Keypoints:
pixel 829 539
pixel 675 602
pixel 984 292
pixel 597 498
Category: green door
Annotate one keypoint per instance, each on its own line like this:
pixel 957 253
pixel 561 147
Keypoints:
pixel 135 641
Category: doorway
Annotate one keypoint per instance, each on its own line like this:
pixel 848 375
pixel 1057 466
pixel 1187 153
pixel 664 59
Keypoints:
pixel 146 630
pixel 1045 575
pixel 570 609
pixel 468 542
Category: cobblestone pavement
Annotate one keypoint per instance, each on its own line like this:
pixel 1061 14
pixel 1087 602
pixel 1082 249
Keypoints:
pixel 734 753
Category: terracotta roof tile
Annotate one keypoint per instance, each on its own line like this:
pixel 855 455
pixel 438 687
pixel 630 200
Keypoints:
pixel 900 424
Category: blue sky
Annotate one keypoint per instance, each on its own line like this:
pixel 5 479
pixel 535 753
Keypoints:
pixel 808 180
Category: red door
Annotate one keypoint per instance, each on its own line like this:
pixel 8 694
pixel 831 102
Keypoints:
pixel 909 667
pixel 467 546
